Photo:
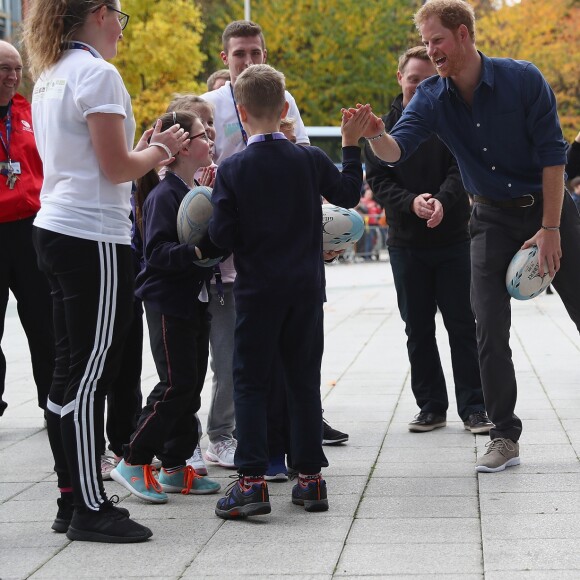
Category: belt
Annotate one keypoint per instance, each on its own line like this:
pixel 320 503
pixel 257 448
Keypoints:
pixel 527 200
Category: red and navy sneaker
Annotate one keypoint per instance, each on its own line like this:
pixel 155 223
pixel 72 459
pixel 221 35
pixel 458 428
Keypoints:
pixel 311 493
pixel 248 496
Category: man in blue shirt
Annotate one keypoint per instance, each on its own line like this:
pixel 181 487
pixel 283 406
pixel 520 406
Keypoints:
pixel 498 117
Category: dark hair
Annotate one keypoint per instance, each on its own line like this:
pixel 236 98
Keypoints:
pixel 145 184
pixel 241 29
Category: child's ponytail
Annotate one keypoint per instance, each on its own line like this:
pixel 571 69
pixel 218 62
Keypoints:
pixel 150 180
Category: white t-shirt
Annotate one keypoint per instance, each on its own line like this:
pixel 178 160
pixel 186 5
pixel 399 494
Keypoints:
pixel 229 138
pixel 76 198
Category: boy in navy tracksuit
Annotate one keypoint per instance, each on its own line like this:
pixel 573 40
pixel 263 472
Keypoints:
pixel 267 209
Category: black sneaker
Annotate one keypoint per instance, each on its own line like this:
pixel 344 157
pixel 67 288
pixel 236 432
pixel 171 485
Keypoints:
pixel 110 524
pixel 248 496
pixel 66 508
pixel 478 423
pixel 64 514
pixel 332 436
pixel 427 422
pixel 311 493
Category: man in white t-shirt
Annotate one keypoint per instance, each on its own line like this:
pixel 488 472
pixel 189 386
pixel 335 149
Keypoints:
pixel 243 45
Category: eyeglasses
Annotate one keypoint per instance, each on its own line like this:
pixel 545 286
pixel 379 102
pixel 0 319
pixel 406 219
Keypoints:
pixel 203 136
pixel 123 18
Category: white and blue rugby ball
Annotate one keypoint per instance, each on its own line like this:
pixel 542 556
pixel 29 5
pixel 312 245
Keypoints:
pixel 193 218
pixel 523 280
pixel 340 227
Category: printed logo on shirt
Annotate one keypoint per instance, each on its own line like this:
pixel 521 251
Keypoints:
pixel 231 129
pixel 53 89
pixel 26 126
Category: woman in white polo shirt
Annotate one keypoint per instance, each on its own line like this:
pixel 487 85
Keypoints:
pixel 84 129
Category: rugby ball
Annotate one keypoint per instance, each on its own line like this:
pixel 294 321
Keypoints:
pixel 193 215
pixel 523 280
pixel 340 227
pixel 193 218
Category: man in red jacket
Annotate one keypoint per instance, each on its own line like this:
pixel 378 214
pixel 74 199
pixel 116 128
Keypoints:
pixel 20 182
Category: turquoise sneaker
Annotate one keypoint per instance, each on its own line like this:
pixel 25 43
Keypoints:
pixel 185 481
pixel 140 481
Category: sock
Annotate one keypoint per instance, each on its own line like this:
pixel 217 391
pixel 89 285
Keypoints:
pixel 306 478
pixel 248 480
pixel 171 470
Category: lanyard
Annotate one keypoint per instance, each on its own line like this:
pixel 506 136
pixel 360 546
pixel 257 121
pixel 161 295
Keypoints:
pixel 82 46
pixel 244 134
pixel 6 144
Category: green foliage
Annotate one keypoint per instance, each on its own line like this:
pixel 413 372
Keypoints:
pixel 336 53
pixel 160 54
pixel 216 16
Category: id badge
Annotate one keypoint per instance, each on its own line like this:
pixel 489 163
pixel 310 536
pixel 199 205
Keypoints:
pixel 10 168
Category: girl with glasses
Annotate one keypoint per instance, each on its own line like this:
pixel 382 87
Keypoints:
pixel 84 129
pixel 173 286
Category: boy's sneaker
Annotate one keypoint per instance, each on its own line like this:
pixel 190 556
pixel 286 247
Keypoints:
pixel 478 423
pixel 108 462
pixel 109 524
pixel 332 436
pixel 276 469
pixel 186 480
pixel 222 452
pixel 64 514
pixel 311 493
pixel 501 453
pixel 248 496
pixel 196 461
pixel 140 481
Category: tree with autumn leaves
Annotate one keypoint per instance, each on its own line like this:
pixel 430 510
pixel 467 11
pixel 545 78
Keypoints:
pixel 544 32
pixel 335 52
pixel 160 54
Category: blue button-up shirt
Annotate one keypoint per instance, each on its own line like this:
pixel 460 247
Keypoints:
pixel 503 140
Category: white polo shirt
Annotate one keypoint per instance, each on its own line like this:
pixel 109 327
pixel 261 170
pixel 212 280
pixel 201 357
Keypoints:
pixel 76 198
pixel 229 138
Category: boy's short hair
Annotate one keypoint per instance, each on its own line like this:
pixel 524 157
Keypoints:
pixel 218 74
pixel 241 28
pixel 261 90
pixel 451 13
pixel 187 102
pixel 419 52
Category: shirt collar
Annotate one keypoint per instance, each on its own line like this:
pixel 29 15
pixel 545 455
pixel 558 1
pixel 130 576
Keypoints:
pixel 487 75
pixel 266 137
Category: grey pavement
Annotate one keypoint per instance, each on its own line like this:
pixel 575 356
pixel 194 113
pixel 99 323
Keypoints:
pixel 402 505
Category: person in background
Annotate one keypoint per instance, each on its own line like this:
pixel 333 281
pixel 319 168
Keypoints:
pixel 574 185
pixel 573 158
pixel 20 183
pixel 429 256
pixel 218 79
pixel 84 129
